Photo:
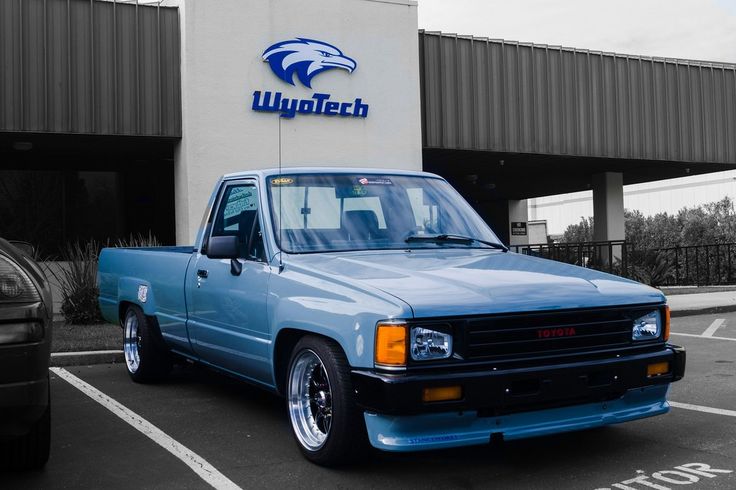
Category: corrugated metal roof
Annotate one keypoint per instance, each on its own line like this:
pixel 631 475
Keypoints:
pixel 488 94
pixel 89 66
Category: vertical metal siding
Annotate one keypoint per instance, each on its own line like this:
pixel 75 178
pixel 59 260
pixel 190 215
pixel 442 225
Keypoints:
pixel 504 96
pixel 89 66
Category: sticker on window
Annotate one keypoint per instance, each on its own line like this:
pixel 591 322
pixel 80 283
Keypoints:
pixel 359 191
pixel 282 181
pixel 374 181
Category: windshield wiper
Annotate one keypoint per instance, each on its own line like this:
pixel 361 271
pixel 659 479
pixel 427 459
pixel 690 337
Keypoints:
pixel 443 238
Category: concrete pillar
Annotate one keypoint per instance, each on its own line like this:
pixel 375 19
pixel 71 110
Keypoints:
pixel 608 212
pixel 518 213
pixel 608 206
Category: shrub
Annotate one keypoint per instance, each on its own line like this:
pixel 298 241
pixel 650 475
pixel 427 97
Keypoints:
pixel 139 240
pixel 78 280
pixel 650 267
pixel 78 283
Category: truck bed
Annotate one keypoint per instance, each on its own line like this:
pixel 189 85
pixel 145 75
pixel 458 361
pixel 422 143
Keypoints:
pixel 157 272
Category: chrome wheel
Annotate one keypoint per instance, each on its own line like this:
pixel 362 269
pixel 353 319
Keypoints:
pixel 310 400
pixel 131 342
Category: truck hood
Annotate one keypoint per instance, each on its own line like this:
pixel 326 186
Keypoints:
pixel 468 282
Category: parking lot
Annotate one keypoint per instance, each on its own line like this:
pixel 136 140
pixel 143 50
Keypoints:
pixel 116 434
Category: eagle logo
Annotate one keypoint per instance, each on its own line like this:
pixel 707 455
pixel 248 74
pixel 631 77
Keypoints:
pixel 307 58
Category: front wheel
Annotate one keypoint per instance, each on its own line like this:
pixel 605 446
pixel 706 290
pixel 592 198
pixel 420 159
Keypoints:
pixel 327 425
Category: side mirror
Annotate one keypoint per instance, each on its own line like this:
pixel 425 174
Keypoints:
pixel 223 247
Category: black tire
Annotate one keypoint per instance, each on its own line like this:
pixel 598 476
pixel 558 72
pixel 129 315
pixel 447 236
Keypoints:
pixel 346 437
pixel 31 451
pixel 146 357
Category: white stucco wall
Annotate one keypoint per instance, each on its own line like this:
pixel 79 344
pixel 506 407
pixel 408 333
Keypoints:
pixel 222 44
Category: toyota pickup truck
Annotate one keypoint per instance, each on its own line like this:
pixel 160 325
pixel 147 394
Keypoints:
pixel 383 308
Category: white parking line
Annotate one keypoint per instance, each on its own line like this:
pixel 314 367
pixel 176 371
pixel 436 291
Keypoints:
pixel 713 327
pixel 85 353
pixel 701 337
pixel 700 408
pixel 198 464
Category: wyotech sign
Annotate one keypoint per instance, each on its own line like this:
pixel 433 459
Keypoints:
pixel 306 58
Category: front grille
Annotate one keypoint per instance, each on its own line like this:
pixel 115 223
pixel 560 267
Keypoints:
pixel 545 333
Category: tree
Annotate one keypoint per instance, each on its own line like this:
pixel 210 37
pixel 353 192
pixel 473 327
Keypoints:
pixel 706 224
pixel 581 232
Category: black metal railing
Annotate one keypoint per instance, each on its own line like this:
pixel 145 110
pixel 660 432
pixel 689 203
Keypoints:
pixel 700 265
pixel 692 265
pixel 608 256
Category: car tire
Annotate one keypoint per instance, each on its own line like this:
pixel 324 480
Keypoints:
pixel 146 357
pixel 328 426
pixel 31 451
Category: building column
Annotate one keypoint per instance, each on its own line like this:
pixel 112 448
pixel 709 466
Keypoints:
pixel 608 212
pixel 519 216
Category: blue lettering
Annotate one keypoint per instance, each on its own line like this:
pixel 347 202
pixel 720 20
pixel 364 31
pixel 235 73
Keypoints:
pixel 288 107
pixel 306 106
pixel 344 107
pixel 266 105
pixel 331 108
pixel 318 104
pixel 320 98
pixel 361 109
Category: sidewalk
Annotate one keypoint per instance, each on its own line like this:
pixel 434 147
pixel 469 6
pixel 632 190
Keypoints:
pixel 702 303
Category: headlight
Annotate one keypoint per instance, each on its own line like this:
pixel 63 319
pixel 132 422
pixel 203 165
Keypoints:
pixel 429 344
pixel 647 327
pixel 15 285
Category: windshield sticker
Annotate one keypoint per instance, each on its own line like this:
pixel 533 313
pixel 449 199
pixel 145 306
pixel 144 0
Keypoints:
pixel 282 181
pixel 374 181
pixel 359 191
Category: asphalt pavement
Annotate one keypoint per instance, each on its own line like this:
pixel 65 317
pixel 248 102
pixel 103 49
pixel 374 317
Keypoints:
pixel 241 434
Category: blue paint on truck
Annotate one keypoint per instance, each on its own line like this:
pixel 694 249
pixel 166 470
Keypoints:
pixel 525 346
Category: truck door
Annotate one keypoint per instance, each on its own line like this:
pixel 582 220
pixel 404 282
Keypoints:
pixel 227 321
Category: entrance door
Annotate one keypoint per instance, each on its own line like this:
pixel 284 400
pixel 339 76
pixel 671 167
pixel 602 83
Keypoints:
pixel 228 323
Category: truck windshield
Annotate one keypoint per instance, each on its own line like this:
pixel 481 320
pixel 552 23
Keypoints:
pixel 343 212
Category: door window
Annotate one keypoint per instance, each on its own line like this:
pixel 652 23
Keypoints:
pixel 237 215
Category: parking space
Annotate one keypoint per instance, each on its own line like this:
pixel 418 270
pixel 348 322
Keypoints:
pixel 244 434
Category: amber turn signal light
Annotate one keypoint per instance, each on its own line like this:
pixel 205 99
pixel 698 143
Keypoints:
pixel 391 344
pixel 666 335
pixel 442 394
pixel 658 369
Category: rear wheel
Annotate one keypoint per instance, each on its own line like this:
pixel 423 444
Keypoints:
pixel 327 425
pixel 146 358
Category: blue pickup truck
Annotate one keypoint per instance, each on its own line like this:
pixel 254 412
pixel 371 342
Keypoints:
pixel 384 309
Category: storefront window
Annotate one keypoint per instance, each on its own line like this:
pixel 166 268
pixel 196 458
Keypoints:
pixel 49 208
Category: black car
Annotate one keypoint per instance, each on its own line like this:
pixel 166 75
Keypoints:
pixel 25 343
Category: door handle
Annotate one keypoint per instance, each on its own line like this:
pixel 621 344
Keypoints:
pixel 202 273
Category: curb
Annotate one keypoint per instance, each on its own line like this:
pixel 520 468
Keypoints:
pixel 61 359
pixel 703 311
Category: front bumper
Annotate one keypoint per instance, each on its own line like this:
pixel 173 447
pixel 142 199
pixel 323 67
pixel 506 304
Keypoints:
pixel 501 391
pixel 24 384
pixel 514 403
pixel 444 430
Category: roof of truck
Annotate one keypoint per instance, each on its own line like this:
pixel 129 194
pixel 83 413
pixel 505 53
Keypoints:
pixel 268 172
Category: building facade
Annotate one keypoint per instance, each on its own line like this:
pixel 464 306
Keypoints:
pixel 117 117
